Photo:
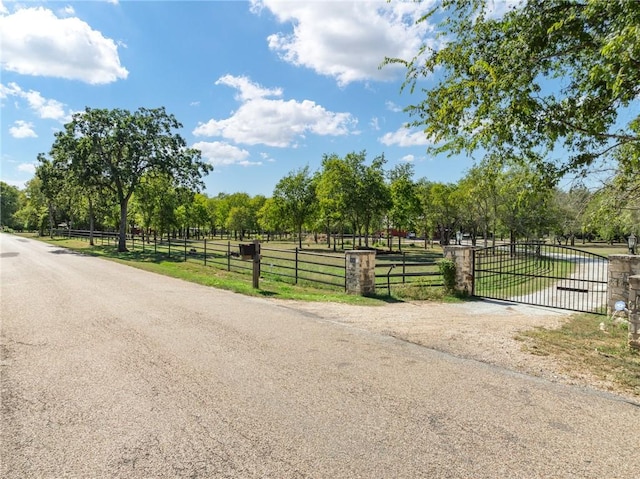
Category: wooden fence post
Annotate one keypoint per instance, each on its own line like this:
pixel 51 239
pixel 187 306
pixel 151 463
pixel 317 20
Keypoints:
pixel 256 264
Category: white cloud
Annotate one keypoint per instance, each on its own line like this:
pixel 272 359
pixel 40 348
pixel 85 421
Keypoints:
pixel 348 40
pixel 68 10
pixel 391 106
pixel 223 154
pixel 36 42
pixel 405 137
pixel 273 122
pixel 45 108
pixel 27 168
pixel 267 158
pixel 3 9
pixel 247 89
pixel 408 158
pixel 22 129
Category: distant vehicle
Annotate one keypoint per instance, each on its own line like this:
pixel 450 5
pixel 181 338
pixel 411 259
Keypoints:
pixel 411 235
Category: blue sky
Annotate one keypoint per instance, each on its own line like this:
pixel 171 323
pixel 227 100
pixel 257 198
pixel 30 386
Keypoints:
pixel 261 87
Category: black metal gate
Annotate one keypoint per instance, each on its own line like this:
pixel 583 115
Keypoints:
pixel 542 275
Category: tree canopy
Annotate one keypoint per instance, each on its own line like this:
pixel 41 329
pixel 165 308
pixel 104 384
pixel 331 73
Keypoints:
pixel 548 76
pixel 115 149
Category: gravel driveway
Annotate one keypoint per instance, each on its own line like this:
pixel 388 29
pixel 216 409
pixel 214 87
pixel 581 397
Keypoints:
pixel 478 330
pixel 108 371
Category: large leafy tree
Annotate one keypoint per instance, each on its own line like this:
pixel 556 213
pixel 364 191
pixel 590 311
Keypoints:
pixel 153 192
pixel 54 182
pixel 9 204
pixel 373 195
pixel 478 196
pixel 269 218
pixel 441 208
pixel 333 191
pixel 405 207
pixel 548 74
pixel 569 208
pixel 115 148
pixel 32 215
pixel 525 203
pixel 295 196
pixel 352 189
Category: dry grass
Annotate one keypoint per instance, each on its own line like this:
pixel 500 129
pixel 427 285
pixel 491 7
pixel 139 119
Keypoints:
pixel 581 346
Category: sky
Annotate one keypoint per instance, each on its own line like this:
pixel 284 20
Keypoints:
pixel 261 87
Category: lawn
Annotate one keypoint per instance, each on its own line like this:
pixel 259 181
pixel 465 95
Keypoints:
pixel 587 343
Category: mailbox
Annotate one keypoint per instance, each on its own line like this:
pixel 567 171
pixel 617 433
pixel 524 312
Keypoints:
pixel 247 251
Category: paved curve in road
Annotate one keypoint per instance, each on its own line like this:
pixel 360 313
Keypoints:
pixel 108 371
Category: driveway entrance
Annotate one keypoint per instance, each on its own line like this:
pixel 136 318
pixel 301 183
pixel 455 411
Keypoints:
pixel 542 275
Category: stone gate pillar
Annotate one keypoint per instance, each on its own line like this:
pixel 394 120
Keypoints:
pixel 621 267
pixel 634 311
pixel 462 256
pixel 360 272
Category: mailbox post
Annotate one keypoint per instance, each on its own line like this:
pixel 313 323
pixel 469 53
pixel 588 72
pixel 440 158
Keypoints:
pixel 256 264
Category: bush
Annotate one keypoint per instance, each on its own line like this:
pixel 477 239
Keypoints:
pixel 448 271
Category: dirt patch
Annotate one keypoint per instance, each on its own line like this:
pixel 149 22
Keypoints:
pixel 481 330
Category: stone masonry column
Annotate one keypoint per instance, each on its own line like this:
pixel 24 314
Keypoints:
pixel 621 267
pixel 462 256
pixel 360 272
pixel 634 311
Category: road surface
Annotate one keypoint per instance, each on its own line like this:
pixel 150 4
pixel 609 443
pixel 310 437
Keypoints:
pixel 110 372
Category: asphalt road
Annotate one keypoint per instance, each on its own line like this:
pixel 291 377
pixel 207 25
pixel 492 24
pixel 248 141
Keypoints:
pixel 108 371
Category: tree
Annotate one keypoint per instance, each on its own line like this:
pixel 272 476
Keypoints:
pixel 269 218
pixel 295 196
pixel 52 177
pixel 570 207
pixel 524 203
pixel 351 191
pixel 479 199
pixel 373 196
pixel 9 204
pixel 548 74
pixel 405 202
pixel 440 205
pixel 332 191
pixel 114 149
pixel 148 198
pixel 32 214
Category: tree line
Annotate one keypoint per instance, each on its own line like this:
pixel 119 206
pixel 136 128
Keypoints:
pixel 347 195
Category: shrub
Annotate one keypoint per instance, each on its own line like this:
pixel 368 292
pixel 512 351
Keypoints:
pixel 448 271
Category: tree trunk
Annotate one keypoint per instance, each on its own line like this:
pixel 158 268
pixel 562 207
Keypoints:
pixel 122 233
pixel 50 208
pixel 512 242
pixel 91 221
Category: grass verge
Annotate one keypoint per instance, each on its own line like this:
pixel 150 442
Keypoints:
pixel 581 346
pixel 215 277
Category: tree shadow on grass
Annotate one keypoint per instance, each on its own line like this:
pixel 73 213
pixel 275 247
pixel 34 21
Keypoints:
pixel 112 252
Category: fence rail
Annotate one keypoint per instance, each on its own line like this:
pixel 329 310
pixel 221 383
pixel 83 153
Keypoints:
pixel 400 269
pixel 296 266
pixel 303 266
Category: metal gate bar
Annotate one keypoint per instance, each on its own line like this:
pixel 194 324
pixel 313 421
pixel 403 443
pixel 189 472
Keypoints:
pixel 543 275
